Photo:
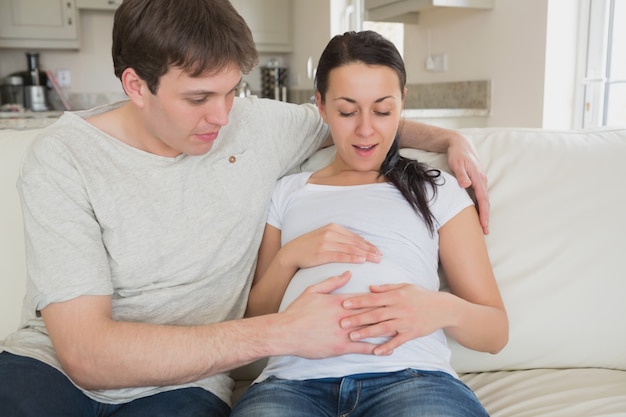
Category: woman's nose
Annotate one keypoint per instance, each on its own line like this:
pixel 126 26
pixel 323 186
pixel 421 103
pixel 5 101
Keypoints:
pixel 364 127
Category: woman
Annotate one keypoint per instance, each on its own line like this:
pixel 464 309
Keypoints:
pixel 389 220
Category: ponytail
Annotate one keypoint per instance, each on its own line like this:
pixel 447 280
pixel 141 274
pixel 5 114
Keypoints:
pixel 412 179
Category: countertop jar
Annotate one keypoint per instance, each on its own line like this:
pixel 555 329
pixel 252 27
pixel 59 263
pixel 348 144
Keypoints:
pixel 12 94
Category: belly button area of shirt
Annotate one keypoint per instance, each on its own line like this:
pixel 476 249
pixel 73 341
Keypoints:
pixel 232 159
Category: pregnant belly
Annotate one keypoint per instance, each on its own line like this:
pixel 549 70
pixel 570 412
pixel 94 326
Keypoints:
pixel 363 275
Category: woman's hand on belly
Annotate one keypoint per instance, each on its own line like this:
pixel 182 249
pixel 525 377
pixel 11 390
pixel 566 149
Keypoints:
pixel 328 244
pixel 401 312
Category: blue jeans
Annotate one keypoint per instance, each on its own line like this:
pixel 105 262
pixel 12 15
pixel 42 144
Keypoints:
pixel 404 393
pixel 30 388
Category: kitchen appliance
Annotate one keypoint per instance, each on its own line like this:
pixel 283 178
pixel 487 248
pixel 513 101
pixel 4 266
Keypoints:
pixel 32 59
pixel 274 81
pixel 35 98
pixel 35 92
pixel 12 94
pixel 243 89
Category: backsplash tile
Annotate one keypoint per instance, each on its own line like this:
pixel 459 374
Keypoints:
pixel 449 95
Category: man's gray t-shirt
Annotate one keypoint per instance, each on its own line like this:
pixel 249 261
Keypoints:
pixel 172 240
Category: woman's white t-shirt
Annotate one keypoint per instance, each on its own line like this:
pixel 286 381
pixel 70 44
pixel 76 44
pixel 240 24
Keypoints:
pixel 380 214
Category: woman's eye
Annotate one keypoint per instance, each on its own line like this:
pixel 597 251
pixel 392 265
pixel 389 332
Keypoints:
pixel 342 114
pixel 383 113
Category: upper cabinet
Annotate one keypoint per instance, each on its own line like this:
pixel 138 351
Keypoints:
pixel 38 24
pixel 269 21
pixel 407 11
pixel 53 24
pixel 98 4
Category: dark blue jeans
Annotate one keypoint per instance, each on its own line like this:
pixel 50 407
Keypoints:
pixel 30 388
pixel 408 393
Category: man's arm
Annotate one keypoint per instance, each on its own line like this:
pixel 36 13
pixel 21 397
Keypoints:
pixel 462 158
pixel 98 352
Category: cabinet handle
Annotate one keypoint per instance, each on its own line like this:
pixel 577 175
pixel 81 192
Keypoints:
pixel 70 13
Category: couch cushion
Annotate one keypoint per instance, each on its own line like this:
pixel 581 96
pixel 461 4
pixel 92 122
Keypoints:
pixel 12 259
pixel 581 392
pixel 556 242
pixel 557 245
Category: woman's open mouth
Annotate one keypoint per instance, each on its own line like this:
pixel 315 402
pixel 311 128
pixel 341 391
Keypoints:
pixel 364 150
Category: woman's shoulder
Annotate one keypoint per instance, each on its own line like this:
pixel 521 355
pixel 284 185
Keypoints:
pixel 293 182
pixel 450 196
pixel 448 183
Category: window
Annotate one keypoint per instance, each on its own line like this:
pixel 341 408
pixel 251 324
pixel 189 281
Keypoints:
pixel 349 16
pixel 603 95
pixel 390 30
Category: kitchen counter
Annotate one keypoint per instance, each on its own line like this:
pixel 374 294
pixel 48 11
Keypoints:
pixel 443 113
pixel 449 118
pixel 28 119
pixel 34 120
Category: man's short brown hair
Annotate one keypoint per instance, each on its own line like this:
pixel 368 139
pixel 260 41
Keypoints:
pixel 198 36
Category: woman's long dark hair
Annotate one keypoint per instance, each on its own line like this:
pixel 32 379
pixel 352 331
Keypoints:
pixel 412 178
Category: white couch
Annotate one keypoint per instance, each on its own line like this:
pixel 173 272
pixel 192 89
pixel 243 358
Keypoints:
pixel 557 244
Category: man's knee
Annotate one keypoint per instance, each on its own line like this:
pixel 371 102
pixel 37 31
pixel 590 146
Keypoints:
pixel 32 388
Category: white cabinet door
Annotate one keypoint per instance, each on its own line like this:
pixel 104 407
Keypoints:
pixel 269 21
pixel 98 4
pixel 38 24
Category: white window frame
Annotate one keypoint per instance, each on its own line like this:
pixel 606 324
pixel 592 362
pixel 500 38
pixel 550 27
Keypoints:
pixel 352 18
pixel 595 42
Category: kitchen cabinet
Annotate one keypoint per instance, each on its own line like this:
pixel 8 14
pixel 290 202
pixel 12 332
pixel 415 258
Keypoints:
pixel 98 4
pixel 38 24
pixel 407 11
pixel 269 21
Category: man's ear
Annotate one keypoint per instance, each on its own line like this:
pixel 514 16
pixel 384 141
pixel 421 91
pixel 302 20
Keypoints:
pixel 134 86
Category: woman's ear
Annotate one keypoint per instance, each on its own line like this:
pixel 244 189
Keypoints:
pixel 320 105
pixel 134 86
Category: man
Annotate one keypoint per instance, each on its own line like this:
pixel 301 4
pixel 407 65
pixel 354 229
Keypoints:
pixel 143 220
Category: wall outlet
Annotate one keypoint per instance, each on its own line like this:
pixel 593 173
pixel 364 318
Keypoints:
pixel 437 63
pixel 64 78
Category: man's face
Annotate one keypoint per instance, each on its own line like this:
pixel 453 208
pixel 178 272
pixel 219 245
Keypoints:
pixel 186 113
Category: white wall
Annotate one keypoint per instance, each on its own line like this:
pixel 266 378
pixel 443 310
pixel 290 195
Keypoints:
pixel 525 47
pixel 311 27
pixel 505 45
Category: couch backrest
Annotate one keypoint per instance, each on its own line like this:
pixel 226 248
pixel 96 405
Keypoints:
pixel 557 244
pixel 13 144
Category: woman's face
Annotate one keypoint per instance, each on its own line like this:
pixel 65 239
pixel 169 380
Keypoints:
pixel 363 109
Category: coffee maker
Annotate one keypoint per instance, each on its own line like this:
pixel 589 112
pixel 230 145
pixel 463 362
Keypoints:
pixel 35 94
pixel 25 89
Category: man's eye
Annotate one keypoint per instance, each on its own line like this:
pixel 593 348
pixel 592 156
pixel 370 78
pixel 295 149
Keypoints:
pixel 197 100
